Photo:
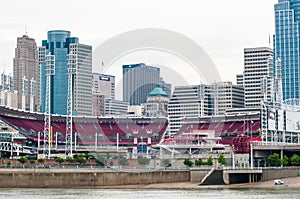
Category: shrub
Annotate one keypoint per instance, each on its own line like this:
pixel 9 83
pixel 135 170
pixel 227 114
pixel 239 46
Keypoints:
pixel 123 161
pixel 209 161
pixel 274 160
pixel 41 160
pixel 81 160
pixel 70 159
pixel 32 161
pixel 188 162
pixel 199 162
pixel 8 164
pixel 285 160
pixel 59 160
pixel 23 159
pixel 143 161
pixel 295 160
pixel 221 159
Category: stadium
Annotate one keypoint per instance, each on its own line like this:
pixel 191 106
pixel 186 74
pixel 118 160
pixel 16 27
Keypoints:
pixel 88 132
pixel 273 125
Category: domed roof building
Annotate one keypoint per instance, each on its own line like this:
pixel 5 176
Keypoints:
pixel 157 103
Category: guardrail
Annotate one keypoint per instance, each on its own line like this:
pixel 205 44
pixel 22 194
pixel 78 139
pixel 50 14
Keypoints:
pixel 255 143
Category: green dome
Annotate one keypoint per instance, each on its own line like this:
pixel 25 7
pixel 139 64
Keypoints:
pixel 157 91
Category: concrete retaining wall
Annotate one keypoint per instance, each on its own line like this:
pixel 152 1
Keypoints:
pixel 198 174
pixel 81 179
pixel 271 174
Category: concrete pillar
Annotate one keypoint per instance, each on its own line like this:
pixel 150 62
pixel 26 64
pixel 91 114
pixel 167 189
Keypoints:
pixel 233 161
pixel 250 178
pixel 281 156
pixel 251 155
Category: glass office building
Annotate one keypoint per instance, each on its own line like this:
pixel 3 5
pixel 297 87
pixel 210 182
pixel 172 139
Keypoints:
pixel 138 81
pixel 286 45
pixel 60 44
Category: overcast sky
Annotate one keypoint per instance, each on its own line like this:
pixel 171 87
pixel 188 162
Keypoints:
pixel 222 28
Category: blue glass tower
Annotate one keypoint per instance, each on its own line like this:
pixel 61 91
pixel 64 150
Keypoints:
pixel 286 45
pixel 60 44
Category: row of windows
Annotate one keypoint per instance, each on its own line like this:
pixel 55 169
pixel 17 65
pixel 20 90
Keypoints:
pixel 257 55
pixel 256 74
pixel 255 66
pixel 256 59
pixel 255 63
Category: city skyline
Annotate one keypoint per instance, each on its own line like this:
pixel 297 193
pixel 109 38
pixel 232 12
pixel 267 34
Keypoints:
pixel 233 33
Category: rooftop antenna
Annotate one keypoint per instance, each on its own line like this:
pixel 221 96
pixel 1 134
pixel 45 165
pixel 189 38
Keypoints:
pixel 26 30
pixel 4 67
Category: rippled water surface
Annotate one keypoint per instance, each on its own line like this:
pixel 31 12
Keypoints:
pixel 153 194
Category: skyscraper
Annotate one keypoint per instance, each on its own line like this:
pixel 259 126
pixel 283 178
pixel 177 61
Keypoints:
pixel 286 45
pixel 60 44
pixel 25 66
pixel 138 81
pixel 103 89
pixel 258 75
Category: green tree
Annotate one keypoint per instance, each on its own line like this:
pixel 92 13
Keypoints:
pixel 274 160
pixel 23 159
pixel 8 164
pixel 295 160
pixel 221 159
pixel 80 159
pixel 188 162
pixel 209 161
pixel 143 161
pixel 59 160
pixel 70 159
pixel 32 161
pixel 285 160
pixel 199 162
pixel 123 161
pixel 41 160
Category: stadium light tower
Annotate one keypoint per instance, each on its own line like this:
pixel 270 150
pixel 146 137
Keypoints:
pixel 24 92
pixel 50 71
pixel 32 94
pixel 10 89
pixel 72 65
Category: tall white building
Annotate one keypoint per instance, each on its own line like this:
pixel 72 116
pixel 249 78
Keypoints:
pixel 202 100
pixel 224 96
pixel 186 102
pixel 83 79
pixel 258 75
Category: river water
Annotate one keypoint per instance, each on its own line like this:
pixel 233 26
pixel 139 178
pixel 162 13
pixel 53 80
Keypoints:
pixel 149 193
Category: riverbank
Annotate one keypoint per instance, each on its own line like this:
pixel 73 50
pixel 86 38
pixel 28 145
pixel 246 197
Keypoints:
pixel 95 178
pixel 289 183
